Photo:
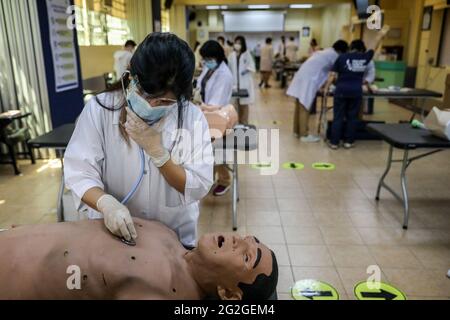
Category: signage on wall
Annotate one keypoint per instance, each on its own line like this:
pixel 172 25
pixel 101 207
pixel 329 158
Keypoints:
pixel 65 64
pixel 306 32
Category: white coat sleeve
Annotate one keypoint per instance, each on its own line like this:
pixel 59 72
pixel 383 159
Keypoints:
pixel 370 74
pixel 83 159
pixel 200 165
pixel 251 63
pixel 222 91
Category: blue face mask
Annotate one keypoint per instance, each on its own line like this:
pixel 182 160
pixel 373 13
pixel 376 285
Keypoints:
pixel 211 64
pixel 143 109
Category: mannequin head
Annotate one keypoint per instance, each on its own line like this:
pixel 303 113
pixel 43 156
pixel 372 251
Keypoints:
pixel 234 268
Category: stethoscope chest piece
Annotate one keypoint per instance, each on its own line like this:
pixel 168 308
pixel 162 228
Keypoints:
pixel 131 243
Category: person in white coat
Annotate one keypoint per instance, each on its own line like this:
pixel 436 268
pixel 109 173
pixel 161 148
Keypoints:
pixel 291 50
pixel 216 87
pixel 242 67
pixel 123 57
pixel 311 76
pixel 142 149
pixel 369 79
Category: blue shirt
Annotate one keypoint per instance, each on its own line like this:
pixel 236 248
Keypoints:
pixel 350 68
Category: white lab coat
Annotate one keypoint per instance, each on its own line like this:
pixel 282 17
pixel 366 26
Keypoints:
pixel 281 50
pixel 122 60
pixel 370 74
pixel 98 156
pixel 291 51
pixel 243 81
pixel 312 75
pixel 219 87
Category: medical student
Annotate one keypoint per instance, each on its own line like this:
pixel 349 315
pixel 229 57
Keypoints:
pixel 291 50
pixel 282 48
pixel 123 57
pixel 216 87
pixel 311 76
pixel 313 47
pixel 350 70
pixel 142 149
pixel 266 63
pixel 242 66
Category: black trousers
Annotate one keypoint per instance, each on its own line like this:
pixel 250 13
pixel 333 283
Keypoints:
pixel 346 109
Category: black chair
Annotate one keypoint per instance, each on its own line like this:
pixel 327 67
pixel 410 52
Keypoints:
pixel 11 137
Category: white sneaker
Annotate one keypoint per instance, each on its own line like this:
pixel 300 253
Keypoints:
pixel 348 145
pixel 332 146
pixel 310 139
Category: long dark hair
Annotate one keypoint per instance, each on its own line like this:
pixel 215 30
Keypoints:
pixel 213 49
pixel 162 63
pixel 243 43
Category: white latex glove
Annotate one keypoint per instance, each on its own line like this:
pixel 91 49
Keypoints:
pixel 148 138
pixel 117 217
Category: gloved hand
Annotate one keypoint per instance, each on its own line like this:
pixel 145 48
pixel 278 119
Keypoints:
pixel 243 73
pixel 117 217
pixel 148 138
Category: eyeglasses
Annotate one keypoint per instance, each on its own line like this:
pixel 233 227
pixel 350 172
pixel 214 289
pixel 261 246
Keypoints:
pixel 155 100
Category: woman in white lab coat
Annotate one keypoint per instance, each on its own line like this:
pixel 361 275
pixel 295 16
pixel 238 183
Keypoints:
pixel 311 76
pixel 215 85
pixel 128 156
pixel 242 67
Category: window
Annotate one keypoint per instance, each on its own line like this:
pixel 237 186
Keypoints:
pixel 444 55
pixel 101 22
pixel 165 20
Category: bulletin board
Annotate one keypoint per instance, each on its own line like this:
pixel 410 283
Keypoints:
pixel 62 44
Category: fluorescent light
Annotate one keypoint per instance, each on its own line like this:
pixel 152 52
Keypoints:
pixel 224 7
pixel 259 6
pixel 300 6
pixel 212 7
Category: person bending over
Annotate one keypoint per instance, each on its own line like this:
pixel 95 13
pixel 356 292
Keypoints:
pixel 82 260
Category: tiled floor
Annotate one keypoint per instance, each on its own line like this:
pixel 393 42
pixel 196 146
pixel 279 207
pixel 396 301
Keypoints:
pixel 321 224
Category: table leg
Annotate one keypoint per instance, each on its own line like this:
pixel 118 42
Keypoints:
pixel 235 190
pixel 62 186
pixel 386 172
pixel 405 164
pixel 12 155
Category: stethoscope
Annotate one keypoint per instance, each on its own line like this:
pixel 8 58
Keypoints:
pixel 141 155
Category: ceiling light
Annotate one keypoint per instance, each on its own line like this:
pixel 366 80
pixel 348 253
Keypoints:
pixel 259 6
pixel 300 6
pixel 224 7
pixel 212 7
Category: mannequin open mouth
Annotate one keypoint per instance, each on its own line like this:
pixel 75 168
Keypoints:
pixel 220 241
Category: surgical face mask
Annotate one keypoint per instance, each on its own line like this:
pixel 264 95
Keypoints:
pixel 211 64
pixel 237 47
pixel 142 107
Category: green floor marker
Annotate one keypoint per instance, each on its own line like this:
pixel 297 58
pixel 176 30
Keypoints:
pixel 383 292
pixel 293 166
pixel 259 166
pixel 314 290
pixel 323 166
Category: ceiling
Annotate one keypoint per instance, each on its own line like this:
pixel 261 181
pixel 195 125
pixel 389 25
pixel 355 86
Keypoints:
pixel 240 4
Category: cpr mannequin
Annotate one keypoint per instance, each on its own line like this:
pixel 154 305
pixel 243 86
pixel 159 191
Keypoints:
pixel 438 122
pixel 38 263
pixel 220 119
